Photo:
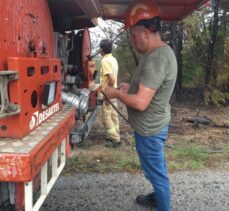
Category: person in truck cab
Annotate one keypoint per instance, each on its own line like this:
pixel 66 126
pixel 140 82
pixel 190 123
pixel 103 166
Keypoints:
pixel 147 98
pixel 109 74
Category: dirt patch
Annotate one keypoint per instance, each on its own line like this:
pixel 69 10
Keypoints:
pixel 211 136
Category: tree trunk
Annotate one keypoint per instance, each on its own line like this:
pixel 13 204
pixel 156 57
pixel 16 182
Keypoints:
pixel 179 62
pixel 177 45
pixel 210 73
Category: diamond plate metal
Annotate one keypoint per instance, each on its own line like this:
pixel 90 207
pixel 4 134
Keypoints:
pixel 28 143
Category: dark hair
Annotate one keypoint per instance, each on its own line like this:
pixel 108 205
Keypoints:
pixel 152 24
pixel 106 46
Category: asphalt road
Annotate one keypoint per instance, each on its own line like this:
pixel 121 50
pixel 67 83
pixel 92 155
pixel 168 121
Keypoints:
pixel 190 191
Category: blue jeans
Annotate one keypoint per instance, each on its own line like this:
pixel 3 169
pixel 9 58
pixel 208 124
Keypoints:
pixel 151 154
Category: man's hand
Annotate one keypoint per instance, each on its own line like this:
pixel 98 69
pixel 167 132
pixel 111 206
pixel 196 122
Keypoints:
pixel 124 87
pixel 111 92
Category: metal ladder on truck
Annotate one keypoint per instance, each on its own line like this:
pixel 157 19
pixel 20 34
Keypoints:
pixel 33 164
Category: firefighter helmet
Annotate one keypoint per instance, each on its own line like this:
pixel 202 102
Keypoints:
pixel 140 10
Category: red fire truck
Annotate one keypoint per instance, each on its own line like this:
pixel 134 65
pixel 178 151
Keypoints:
pixel 47 86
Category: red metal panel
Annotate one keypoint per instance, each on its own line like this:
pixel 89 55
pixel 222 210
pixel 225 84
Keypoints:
pixel 176 10
pixel 25 30
pixel 171 10
pixel 23 167
pixel 86 50
pixel 86 64
pixel 19 196
pixel 27 92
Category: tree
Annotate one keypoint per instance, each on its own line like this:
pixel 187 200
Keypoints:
pixel 211 45
pixel 216 91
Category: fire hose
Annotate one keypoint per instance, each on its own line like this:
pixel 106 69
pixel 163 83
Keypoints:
pixel 108 100
pixel 166 145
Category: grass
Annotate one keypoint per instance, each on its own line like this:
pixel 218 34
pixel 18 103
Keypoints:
pixel 100 160
pixel 188 157
pixel 185 155
pixel 189 154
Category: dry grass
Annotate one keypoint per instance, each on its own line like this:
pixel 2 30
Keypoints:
pixel 100 159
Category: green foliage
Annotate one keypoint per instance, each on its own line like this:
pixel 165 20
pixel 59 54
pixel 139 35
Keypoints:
pixel 193 72
pixel 216 97
pixel 223 79
pixel 195 49
pixel 225 5
pixel 196 45
pixel 125 57
pixel 218 92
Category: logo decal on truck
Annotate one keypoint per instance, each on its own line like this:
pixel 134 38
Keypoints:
pixel 37 117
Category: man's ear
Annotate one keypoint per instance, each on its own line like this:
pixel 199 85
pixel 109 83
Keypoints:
pixel 147 32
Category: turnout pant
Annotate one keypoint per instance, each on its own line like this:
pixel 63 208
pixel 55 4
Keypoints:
pixel 111 121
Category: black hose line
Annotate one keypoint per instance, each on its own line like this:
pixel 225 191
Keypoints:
pixel 108 100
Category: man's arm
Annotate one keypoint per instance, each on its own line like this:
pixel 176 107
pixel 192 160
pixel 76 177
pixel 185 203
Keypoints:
pixel 111 79
pixel 124 87
pixel 139 101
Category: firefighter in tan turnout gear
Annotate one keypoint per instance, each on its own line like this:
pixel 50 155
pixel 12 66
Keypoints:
pixel 109 73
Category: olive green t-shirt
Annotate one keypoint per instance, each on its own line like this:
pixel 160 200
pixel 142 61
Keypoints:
pixel 156 70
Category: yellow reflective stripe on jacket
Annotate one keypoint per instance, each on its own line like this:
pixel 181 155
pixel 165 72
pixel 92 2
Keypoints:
pixel 112 130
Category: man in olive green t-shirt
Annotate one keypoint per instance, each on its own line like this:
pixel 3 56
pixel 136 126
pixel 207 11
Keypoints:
pixel 147 99
pixel 157 73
